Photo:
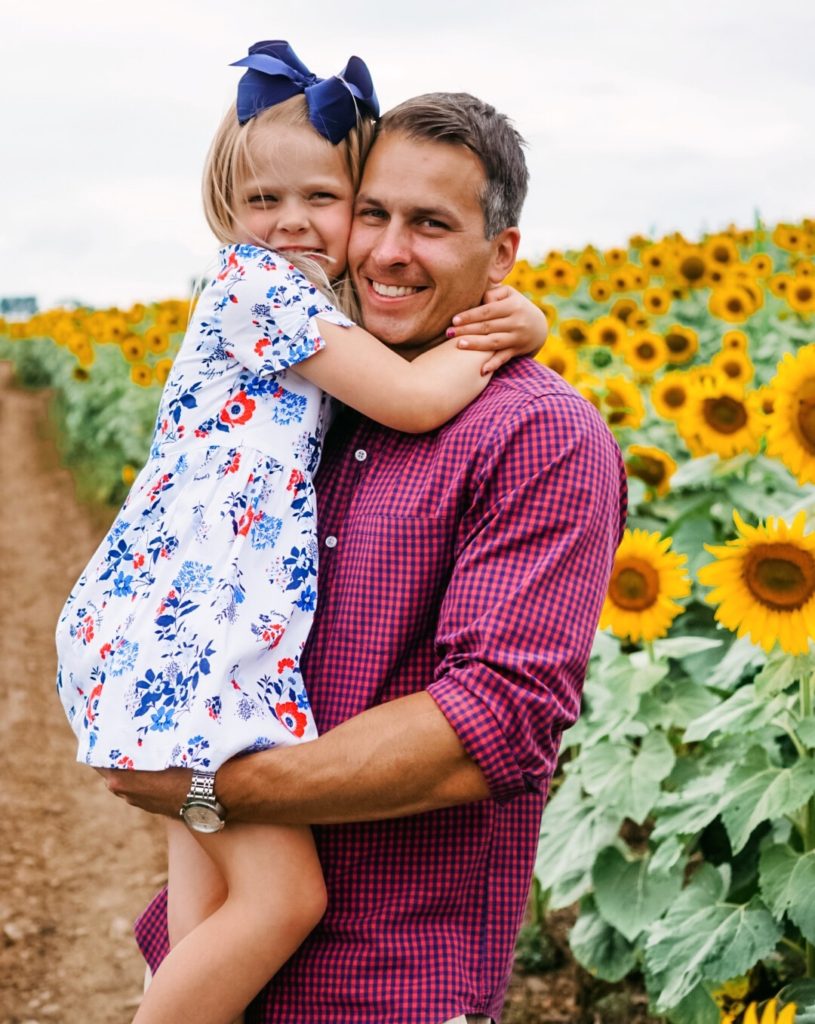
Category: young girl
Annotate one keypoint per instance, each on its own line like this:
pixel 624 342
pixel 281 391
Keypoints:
pixel 180 644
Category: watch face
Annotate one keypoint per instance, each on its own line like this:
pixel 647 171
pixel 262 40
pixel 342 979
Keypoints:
pixel 202 818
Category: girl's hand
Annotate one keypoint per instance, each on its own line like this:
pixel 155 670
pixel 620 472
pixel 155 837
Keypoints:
pixel 506 323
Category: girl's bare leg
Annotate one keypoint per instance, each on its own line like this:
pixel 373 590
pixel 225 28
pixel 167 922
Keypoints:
pixel 217 968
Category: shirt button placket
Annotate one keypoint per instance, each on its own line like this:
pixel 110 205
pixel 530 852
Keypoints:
pixel 331 541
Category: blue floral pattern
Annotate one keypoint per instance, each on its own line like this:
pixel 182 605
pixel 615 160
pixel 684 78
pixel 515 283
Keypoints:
pixel 180 643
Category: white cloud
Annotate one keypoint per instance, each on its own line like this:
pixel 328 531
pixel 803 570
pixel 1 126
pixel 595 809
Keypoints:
pixel 678 114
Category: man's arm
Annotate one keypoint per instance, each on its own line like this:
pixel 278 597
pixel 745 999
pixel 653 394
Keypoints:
pixel 392 760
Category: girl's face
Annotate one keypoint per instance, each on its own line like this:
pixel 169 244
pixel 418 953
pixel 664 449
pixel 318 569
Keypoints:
pixel 297 195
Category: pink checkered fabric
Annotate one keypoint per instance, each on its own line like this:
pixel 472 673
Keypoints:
pixel 471 562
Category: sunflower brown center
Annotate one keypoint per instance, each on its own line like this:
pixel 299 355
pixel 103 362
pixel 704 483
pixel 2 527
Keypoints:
pixel 734 304
pixel 558 365
pixel 609 337
pixel 648 469
pixel 677 343
pixel 724 414
pixel 733 369
pixel 692 268
pixel 803 293
pixel 781 576
pixel 675 397
pixel 645 350
pixel 805 418
pixel 721 254
pixel 634 585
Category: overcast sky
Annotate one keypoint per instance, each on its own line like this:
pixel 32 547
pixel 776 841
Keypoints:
pixel 642 115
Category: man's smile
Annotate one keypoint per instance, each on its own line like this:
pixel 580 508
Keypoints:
pixel 393 291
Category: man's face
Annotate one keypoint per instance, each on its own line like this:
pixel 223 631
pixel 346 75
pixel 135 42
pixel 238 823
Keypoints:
pixel 417 252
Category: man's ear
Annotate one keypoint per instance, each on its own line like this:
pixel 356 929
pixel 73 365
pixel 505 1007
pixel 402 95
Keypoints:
pixel 504 250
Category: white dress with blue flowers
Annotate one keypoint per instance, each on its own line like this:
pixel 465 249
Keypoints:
pixel 180 644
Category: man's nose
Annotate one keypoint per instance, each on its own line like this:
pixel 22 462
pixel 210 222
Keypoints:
pixel 392 245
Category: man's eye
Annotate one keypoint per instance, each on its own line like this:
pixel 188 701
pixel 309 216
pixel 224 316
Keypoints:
pixel 371 213
pixel 429 222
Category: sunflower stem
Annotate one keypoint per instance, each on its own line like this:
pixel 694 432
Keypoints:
pixel 805 687
pixel 649 647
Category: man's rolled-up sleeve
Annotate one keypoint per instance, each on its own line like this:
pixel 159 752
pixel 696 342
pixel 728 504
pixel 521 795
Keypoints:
pixel 534 555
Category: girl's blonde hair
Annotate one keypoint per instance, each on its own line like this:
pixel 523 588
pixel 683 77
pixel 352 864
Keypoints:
pixel 229 159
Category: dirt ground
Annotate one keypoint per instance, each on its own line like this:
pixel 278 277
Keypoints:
pixel 77 865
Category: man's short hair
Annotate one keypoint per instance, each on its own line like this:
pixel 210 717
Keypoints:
pixel 463 120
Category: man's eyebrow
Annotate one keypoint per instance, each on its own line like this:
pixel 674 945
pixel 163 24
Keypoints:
pixel 368 200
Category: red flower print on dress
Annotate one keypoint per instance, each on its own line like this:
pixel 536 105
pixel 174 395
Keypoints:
pixel 260 345
pixel 125 762
pixel 93 701
pixel 104 651
pixel 291 717
pixel 283 664
pixel 244 524
pixel 238 409
pixel 138 561
pixel 295 480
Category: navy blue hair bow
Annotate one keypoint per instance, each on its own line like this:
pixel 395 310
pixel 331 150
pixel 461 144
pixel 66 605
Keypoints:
pixel 275 73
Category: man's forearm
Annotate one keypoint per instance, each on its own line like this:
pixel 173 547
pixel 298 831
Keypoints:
pixel 392 760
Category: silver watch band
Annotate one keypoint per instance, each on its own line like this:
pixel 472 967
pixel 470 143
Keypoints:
pixel 202 787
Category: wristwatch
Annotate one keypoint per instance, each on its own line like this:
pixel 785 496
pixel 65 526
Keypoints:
pixel 201 811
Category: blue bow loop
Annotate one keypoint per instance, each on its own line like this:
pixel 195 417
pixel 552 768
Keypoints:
pixel 275 73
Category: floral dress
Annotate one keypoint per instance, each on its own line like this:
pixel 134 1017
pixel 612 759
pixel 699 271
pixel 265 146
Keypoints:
pixel 180 643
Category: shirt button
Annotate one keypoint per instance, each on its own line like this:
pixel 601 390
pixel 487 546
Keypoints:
pixel 360 455
pixel 331 542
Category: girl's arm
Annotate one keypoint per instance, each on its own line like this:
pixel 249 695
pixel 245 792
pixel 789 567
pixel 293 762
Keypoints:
pixel 506 323
pixel 414 396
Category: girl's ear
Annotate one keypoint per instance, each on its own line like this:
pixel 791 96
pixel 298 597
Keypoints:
pixel 505 249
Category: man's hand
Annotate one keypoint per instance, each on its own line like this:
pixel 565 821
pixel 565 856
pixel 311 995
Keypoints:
pixel 157 792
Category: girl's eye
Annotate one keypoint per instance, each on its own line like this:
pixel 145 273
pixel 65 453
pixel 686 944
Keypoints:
pixel 322 196
pixel 261 200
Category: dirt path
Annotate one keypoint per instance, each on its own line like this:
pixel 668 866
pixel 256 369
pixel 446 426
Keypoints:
pixel 76 865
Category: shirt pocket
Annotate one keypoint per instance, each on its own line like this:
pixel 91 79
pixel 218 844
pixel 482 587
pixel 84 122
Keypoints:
pixel 390 580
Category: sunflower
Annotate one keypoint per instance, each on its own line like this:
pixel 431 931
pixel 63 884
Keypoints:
pixel 590 262
pixel 558 356
pixel 651 465
pixel 682 342
pixel 761 264
pixel 801 294
pixel 575 331
pixel 731 302
pixel 656 300
pixel 770 1014
pixel 718 418
pixel 735 339
pixel 135 314
pixel 787 236
pixel 128 474
pixel 734 364
pixel 141 374
pixel 608 331
pixel 670 395
pixel 655 258
pixel 764 583
pixel 162 370
pixel 561 276
pixel 805 268
pixel 615 257
pixel 779 284
pixel 645 352
pixel 133 348
pixel 791 429
pixel 623 279
pixel 646 579
pixel 600 290
pixel 156 340
pixel 638 320
pixel 519 276
pixel 622 402
pixel 722 250
pixel 691 267
pixel 762 401
pixel 549 311
pixel 623 308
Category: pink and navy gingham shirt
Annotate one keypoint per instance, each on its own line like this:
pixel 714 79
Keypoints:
pixel 471 562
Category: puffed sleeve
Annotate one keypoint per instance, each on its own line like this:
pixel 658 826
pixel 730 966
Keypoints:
pixel 266 310
pixel 520 612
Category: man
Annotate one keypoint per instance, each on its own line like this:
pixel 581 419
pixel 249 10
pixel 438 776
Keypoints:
pixel 462 574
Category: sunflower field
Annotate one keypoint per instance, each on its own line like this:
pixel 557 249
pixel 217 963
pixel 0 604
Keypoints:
pixel 682 818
